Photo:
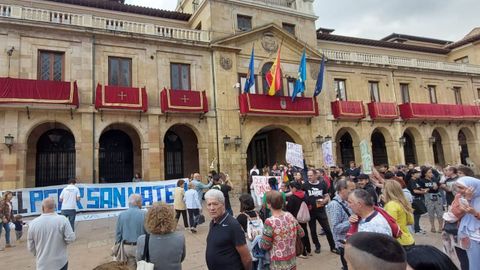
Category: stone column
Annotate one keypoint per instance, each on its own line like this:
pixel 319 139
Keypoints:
pixel 11 171
pixel 152 160
pixel 394 153
pixel 424 152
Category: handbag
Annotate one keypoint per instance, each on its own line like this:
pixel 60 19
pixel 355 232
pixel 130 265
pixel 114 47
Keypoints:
pixel 118 252
pixel 303 215
pixel 419 207
pixel 200 219
pixel 298 246
pixel 145 263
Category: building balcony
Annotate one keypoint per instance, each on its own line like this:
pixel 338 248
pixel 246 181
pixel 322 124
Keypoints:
pixel 38 93
pixel 121 98
pixel 426 111
pixel 102 23
pixel 348 109
pixel 378 59
pixel 383 110
pixel 183 101
pixel 253 104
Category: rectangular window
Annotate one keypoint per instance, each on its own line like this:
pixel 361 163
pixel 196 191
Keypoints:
pixel 180 76
pixel 50 65
pixel 340 89
pixel 243 80
pixel 120 71
pixel 289 28
pixel 374 91
pixel 244 23
pixel 458 95
pixel 405 93
pixel 291 87
pixel 432 92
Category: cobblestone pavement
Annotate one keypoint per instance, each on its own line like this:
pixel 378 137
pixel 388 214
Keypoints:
pixel 95 239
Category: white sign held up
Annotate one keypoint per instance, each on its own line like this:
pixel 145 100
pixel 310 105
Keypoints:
pixel 327 154
pixel 294 154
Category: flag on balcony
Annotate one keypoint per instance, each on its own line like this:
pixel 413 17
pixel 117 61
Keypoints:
pixel 250 74
pixel 274 76
pixel 319 84
pixel 302 77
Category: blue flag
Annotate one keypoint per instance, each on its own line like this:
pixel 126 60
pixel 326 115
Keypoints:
pixel 302 77
pixel 250 74
pixel 319 84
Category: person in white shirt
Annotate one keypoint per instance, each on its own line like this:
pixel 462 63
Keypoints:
pixel 369 220
pixel 193 206
pixel 69 197
pixel 48 237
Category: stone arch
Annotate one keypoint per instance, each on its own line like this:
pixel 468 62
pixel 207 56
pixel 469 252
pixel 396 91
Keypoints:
pixel 347 141
pixel 31 139
pixel 413 139
pixel 440 145
pixel 196 131
pixel 467 144
pixel 126 153
pixel 266 145
pixel 181 153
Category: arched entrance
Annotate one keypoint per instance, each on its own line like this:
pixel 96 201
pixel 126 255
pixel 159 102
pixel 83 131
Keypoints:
pixel 116 157
pixel 181 152
pixel 55 158
pixel 347 153
pixel 409 150
pixel 119 156
pixel 438 156
pixel 379 149
pixel 462 141
pixel 268 147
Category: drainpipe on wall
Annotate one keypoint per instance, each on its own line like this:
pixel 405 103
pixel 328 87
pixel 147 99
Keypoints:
pixel 94 173
pixel 215 108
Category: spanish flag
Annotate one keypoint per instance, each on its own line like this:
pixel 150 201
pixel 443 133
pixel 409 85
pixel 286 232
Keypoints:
pixel 275 76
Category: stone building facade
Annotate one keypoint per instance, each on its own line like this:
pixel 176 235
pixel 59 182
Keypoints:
pixel 206 46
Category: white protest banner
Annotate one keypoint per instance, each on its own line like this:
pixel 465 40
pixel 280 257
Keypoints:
pixel 294 154
pixel 260 185
pixel 366 157
pixel 327 154
pixel 94 197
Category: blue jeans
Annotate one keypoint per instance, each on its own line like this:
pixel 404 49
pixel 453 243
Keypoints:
pixel 7 231
pixel 70 214
pixel 473 254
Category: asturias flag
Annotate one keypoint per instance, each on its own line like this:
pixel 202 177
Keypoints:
pixel 319 84
pixel 250 74
pixel 302 77
pixel 274 76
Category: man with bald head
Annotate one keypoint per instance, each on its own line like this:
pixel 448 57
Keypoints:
pixel 48 237
pixel 199 186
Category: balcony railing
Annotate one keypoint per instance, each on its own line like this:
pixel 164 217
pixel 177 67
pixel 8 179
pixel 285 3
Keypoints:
pixel 348 109
pixel 368 58
pixel 382 110
pixel 96 22
pixel 253 104
pixel 425 111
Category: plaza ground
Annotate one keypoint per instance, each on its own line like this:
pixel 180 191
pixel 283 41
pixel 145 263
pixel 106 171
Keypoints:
pixel 95 239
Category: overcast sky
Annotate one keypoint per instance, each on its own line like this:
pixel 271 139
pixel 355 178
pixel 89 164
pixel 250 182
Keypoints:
pixel 442 19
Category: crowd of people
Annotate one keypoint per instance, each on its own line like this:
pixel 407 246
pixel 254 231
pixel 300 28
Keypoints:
pixel 371 221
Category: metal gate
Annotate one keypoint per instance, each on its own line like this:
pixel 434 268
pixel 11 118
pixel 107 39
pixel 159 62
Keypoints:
pixel 55 158
pixel 173 156
pixel 115 157
pixel 346 149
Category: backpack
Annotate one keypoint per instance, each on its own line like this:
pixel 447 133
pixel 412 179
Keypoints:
pixel 303 215
pixel 396 232
pixel 254 227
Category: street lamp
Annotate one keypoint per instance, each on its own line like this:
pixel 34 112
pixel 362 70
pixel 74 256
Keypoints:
pixel 9 142
pixel 226 142
pixel 238 142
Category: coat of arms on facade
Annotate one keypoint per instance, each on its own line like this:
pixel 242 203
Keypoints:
pixel 283 103
pixel 269 43
pixel 225 62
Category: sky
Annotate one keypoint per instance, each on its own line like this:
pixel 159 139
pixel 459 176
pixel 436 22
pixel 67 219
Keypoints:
pixel 441 19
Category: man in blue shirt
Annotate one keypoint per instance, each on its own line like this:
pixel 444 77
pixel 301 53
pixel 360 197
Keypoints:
pixel 130 225
pixel 199 186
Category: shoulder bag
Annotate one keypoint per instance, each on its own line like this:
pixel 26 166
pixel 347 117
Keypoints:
pixel 145 263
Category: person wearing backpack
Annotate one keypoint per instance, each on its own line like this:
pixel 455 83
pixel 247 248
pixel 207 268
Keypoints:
pixel 366 218
pixel 251 223
pixel 294 203
pixel 338 214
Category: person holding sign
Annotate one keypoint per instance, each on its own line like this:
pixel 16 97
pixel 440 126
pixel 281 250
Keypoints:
pixel 317 198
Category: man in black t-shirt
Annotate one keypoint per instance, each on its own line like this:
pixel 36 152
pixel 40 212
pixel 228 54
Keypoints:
pixel 220 183
pixel 418 190
pixel 317 197
pixel 226 244
pixel 364 182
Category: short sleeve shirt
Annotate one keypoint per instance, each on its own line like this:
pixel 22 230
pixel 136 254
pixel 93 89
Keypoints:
pixel 375 223
pixel 222 240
